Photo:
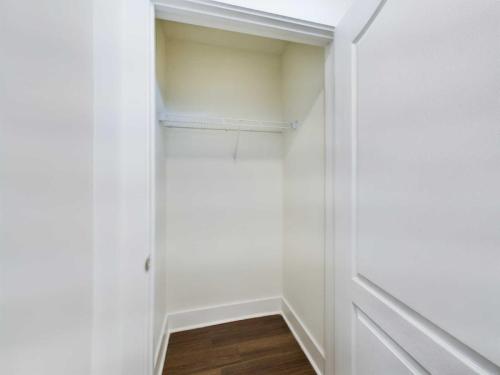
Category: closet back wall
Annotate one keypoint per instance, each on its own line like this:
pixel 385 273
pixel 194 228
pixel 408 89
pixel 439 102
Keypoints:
pixel 224 216
pixel 220 73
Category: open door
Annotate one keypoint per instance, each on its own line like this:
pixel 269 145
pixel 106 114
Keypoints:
pixel 417 178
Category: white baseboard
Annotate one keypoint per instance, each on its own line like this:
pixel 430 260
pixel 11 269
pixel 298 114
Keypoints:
pixel 161 348
pixel 204 317
pixel 311 348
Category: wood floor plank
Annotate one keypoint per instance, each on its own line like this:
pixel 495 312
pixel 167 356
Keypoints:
pixel 280 364
pixel 252 346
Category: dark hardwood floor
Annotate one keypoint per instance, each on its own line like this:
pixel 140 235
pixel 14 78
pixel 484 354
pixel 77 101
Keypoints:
pixel 253 346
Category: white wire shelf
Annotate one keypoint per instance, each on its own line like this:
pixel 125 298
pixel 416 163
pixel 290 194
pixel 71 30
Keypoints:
pixel 229 124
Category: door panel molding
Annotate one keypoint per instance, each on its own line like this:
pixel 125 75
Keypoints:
pixel 421 335
pixel 389 344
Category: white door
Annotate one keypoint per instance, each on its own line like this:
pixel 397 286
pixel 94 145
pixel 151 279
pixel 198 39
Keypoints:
pixel 417 188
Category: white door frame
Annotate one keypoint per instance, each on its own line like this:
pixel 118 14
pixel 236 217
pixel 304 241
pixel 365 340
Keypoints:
pixel 123 186
pixel 244 20
pixel 124 232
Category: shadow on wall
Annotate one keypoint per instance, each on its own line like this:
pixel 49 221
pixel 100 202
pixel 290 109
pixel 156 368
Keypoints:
pixel 303 92
pixel 312 126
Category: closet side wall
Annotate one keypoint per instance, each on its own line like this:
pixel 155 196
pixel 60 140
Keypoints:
pixel 224 215
pixel 304 186
pixel 160 297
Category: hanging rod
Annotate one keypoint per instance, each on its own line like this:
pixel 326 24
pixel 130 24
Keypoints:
pixel 229 124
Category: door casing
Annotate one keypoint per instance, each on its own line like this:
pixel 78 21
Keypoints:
pixel 130 51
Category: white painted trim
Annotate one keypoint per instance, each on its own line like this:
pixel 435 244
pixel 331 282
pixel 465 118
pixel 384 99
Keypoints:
pixel 309 345
pixel 123 189
pixel 235 18
pixel 162 349
pixel 329 321
pixel 152 351
pixel 164 330
pixel 208 316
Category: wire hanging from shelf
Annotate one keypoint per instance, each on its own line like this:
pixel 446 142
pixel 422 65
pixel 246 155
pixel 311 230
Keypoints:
pixel 219 123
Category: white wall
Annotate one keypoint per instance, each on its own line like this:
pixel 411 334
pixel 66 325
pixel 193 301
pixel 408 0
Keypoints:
pixel 304 186
pixel 224 226
pixel 46 127
pixel 107 178
pixel 160 262
pixel 206 79
pixel 224 220
pixel 322 11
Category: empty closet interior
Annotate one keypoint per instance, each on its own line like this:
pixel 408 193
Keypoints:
pixel 240 179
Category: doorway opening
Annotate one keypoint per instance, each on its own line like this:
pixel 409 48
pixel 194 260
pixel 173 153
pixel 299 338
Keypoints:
pixel 242 186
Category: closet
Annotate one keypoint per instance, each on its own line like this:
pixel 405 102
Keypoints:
pixel 240 224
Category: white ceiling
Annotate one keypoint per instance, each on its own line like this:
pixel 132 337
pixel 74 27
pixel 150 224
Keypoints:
pixel 222 38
